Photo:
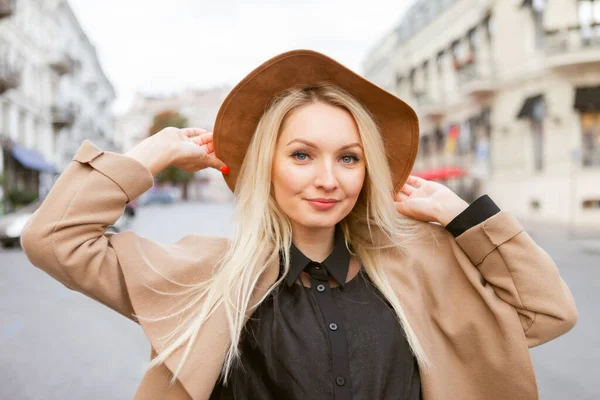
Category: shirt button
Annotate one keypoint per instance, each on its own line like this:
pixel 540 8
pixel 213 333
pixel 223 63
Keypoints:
pixel 340 381
pixel 333 327
pixel 321 288
pixel 317 267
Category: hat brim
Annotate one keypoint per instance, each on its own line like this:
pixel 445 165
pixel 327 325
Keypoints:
pixel 243 107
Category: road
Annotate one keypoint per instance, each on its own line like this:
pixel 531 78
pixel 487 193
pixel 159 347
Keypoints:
pixel 58 344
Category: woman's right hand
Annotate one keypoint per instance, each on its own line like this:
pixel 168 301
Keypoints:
pixel 190 149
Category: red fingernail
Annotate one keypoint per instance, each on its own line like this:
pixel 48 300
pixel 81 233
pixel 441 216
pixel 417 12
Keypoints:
pixel 224 169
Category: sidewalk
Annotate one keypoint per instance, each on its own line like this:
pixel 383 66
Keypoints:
pixel 587 239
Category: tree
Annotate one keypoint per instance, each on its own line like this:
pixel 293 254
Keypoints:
pixel 162 120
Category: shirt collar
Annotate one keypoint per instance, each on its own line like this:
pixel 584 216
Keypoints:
pixel 336 263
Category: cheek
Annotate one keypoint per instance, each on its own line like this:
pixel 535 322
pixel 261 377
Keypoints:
pixel 353 183
pixel 287 181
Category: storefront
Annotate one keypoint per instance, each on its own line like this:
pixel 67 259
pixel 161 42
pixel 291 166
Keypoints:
pixel 26 175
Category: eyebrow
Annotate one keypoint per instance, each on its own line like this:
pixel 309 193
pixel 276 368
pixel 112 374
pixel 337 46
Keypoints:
pixel 306 142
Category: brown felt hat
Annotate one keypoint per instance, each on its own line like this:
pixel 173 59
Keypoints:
pixel 248 100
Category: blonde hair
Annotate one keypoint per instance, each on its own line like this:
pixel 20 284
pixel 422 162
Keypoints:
pixel 259 223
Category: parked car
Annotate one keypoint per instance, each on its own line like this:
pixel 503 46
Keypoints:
pixel 131 207
pixel 12 224
pixel 160 196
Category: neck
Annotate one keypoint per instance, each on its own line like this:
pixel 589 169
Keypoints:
pixel 316 243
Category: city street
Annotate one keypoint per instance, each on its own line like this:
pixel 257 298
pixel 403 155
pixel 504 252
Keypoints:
pixel 58 344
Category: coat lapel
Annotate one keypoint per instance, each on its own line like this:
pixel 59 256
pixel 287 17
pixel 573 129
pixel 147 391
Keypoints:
pixel 152 272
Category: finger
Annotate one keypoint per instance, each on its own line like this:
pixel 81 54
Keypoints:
pixel 213 162
pixel 407 189
pixel 203 138
pixel 403 207
pixel 209 148
pixel 400 197
pixel 191 132
pixel 415 181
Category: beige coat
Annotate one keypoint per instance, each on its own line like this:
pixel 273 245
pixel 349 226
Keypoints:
pixel 477 302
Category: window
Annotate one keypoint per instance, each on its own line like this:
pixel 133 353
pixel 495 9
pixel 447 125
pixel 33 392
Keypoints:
pixel 439 59
pixel 590 139
pixel 5 127
pixel 590 204
pixel 439 139
pixel 537 126
pixel 455 50
pixel 589 18
pixel 21 129
pixel 488 24
pixel 399 81
pixel 589 12
pixel 472 37
pixel 464 138
pixel 538 144
pixel 537 7
pixel 425 146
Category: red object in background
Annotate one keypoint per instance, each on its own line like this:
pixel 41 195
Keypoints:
pixel 454 131
pixel 442 173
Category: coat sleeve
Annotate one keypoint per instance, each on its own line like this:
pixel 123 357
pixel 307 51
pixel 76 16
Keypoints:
pixel 521 272
pixel 66 236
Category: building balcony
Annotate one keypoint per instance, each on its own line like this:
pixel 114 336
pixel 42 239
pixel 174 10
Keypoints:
pixel 428 106
pixel 573 46
pixel 63 63
pixel 473 79
pixel 7 8
pixel 10 77
pixel 64 115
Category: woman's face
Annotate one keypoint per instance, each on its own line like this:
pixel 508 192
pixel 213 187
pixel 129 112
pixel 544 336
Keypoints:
pixel 318 155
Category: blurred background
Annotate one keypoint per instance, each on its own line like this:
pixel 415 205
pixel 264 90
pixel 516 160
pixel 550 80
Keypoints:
pixel 507 93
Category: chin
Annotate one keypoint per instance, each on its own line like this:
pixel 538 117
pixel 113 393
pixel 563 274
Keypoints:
pixel 319 220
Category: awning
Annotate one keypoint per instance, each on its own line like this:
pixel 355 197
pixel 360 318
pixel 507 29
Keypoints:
pixel 529 105
pixel 587 99
pixel 31 159
pixel 441 174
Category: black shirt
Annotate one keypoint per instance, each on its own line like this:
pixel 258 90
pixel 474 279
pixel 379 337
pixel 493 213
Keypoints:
pixel 330 343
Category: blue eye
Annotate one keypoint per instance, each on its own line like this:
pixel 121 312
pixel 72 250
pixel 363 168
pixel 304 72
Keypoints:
pixel 351 157
pixel 346 159
pixel 299 153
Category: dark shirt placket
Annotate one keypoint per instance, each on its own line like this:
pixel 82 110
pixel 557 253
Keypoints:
pixel 319 281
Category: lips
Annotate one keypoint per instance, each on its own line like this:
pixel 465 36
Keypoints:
pixel 322 204
pixel 324 200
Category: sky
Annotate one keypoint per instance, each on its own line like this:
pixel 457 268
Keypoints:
pixel 162 47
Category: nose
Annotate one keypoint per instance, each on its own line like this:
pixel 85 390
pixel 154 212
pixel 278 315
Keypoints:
pixel 325 177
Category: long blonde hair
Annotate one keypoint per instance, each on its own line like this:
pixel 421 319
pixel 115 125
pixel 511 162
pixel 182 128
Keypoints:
pixel 259 223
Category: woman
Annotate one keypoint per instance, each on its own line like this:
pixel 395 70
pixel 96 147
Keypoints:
pixel 345 277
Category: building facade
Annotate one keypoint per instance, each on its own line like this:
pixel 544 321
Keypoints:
pixel 53 94
pixel 508 95
pixel 84 95
pixel 27 160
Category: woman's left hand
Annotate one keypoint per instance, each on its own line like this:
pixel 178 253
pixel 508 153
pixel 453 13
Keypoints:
pixel 428 201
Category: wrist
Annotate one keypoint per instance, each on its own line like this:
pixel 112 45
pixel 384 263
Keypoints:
pixel 155 160
pixel 451 210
